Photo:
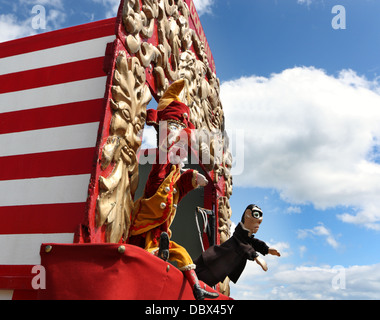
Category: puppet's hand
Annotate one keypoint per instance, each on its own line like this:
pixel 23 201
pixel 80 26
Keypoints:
pixel 274 252
pixel 201 180
pixel 261 263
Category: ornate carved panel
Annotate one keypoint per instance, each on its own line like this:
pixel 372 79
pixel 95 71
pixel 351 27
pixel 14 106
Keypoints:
pixel 161 47
pixel 130 98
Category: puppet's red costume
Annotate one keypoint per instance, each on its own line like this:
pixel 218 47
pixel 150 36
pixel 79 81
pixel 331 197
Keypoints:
pixel 165 187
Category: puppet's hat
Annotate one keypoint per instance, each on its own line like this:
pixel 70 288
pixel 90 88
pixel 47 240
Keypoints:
pixel 171 94
pixel 254 208
pixel 170 107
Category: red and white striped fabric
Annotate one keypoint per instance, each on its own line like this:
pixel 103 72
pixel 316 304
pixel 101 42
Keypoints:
pixel 52 89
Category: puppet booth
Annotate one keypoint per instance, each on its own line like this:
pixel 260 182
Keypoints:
pixel 86 212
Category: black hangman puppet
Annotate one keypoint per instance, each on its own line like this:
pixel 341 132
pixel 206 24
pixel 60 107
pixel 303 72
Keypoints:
pixel 230 258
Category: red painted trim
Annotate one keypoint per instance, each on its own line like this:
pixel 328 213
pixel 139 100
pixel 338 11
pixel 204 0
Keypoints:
pixel 16 277
pixel 48 164
pixel 68 72
pixel 28 295
pixel 100 272
pixel 50 218
pixel 50 117
pixel 195 24
pixel 58 38
pixel 92 233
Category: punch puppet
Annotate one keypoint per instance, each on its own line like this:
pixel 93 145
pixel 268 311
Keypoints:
pixel 230 258
pixel 167 184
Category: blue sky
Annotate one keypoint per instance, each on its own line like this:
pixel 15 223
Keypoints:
pixel 284 34
pixel 307 99
pixel 284 62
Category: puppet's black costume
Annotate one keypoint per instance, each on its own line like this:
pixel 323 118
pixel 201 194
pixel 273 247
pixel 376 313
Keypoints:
pixel 230 258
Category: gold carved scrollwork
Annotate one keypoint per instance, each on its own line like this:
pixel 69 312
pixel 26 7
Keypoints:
pixel 130 96
pixel 179 54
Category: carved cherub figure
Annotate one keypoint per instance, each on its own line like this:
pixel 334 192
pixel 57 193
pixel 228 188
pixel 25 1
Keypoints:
pixel 230 258
pixel 167 184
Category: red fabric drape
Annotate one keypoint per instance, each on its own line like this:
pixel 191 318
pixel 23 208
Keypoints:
pixel 101 272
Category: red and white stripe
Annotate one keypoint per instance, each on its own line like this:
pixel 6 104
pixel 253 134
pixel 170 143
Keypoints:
pixel 52 90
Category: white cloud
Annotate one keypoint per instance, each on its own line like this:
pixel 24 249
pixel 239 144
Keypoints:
pixel 203 6
pixel 302 250
pixel 111 6
pixel 149 140
pixel 311 136
pixel 11 28
pixel 20 23
pixel 284 282
pixel 293 209
pixel 307 2
pixel 57 4
pixel 55 19
pixel 320 231
pixel 282 247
